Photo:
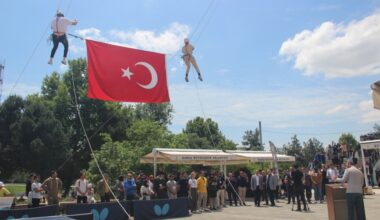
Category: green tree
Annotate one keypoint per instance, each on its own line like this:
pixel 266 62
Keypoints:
pixel 40 139
pixel 114 158
pixel 252 140
pixel 11 111
pixel 161 113
pixel 205 134
pixel 311 148
pixel 349 140
pixel 294 148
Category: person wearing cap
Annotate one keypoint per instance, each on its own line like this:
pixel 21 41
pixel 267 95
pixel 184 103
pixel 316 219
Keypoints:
pixel 3 191
pixel 188 58
pixel 59 26
pixel 354 193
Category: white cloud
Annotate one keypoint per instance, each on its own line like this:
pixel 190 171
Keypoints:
pixel 336 109
pixel 369 114
pixel 173 69
pixel 337 50
pixel 90 33
pixel 168 41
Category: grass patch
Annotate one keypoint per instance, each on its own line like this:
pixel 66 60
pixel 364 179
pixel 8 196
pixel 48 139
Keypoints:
pixel 16 188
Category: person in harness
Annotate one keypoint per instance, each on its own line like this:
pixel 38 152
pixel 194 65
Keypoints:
pixel 188 58
pixel 59 26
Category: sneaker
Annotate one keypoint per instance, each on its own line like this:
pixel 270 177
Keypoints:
pixel 200 77
pixel 187 79
pixel 64 62
pixel 50 61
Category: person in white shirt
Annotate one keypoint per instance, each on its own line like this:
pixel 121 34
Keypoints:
pixel 188 58
pixel 193 192
pixel 81 187
pixel 354 193
pixel 90 194
pixel 59 26
pixel 332 173
pixel 171 185
pixel 36 191
pixel 145 191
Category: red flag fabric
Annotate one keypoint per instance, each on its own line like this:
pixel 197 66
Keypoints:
pixel 117 73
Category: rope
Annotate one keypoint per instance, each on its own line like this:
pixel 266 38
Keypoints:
pixel 59 5
pixel 76 36
pixel 206 23
pixel 233 188
pixel 68 7
pixel 203 112
pixel 90 146
pixel 29 59
pixel 171 56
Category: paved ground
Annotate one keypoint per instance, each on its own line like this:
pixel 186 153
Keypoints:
pixel 283 211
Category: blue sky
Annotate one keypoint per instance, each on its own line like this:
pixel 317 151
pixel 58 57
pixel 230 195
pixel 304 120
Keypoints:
pixel 301 67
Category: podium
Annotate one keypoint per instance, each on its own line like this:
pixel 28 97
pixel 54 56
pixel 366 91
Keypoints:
pixel 336 202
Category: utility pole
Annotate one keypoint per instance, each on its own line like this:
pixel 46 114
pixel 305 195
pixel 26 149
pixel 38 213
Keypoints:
pixel 261 135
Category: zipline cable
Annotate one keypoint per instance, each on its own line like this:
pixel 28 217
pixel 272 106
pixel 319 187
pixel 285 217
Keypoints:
pixel 90 146
pixel 29 59
pixel 171 56
pixel 35 50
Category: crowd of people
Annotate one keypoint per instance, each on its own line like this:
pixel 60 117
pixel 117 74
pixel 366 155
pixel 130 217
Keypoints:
pixel 206 191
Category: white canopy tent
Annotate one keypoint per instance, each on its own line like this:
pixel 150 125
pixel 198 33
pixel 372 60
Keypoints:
pixel 191 157
pixel 209 157
pixel 261 156
pixel 368 145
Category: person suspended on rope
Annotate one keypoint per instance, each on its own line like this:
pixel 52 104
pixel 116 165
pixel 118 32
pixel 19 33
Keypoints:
pixel 59 26
pixel 188 58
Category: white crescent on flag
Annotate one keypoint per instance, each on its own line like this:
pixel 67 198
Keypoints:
pixel 153 73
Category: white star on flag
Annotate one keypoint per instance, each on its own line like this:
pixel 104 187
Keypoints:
pixel 127 73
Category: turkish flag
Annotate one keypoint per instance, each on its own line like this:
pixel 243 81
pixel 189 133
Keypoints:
pixel 117 73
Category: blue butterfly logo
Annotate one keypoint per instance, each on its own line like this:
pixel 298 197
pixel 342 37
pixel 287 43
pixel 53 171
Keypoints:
pixel 103 215
pixel 161 211
pixel 11 217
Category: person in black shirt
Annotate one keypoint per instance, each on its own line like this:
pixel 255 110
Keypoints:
pixel 220 195
pixel 232 187
pixel 183 183
pixel 242 186
pixel 298 179
pixel 264 192
pixel 212 189
pixel 289 185
pixel 308 184
pixel 159 186
pixel 324 180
